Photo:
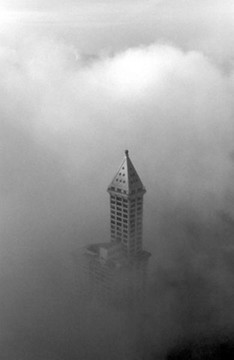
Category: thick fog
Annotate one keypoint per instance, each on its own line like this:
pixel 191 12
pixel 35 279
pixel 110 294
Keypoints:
pixel 72 99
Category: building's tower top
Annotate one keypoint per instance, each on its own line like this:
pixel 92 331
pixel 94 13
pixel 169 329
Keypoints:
pixel 126 181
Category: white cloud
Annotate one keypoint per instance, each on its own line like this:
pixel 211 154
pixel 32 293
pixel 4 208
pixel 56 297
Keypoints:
pixel 176 104
pixel 205 26
pixel 65 120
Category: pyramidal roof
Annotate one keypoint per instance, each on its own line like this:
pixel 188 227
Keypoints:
pixel 126 180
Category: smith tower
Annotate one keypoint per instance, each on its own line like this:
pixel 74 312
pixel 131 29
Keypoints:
pixel 117 270
pixel 126 208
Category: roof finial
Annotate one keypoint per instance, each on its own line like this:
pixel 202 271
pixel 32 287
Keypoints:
pixel 126 153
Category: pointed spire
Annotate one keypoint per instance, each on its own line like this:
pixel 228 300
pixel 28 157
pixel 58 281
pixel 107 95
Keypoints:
pixel 126 180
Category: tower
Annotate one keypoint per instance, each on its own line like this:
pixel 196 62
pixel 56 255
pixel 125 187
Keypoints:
pixel 126 208
pixel 116 271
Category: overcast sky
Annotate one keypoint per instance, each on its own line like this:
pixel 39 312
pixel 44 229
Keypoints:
pixel 81 81
pixel 112 25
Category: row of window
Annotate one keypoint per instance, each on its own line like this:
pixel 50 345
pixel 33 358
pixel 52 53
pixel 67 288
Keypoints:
pixel 138 204
pixel 137 236
pixel 118 203
pixel 132 212
pixel 125 238
pixel 125 208
pixel 132 234
pixel 121 206
pixel 112 188
pixel 133 222
pixel 124 200
pixel 120 180
pixel 125 214
pixel 113 226
pixel 120 198
pixel 130 231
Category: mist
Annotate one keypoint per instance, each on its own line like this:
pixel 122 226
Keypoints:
pixel 70 104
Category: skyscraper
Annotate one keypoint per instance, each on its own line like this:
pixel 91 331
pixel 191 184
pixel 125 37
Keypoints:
pixel 126 208
pixel 116 270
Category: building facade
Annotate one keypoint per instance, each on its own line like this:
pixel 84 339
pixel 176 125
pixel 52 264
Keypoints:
pixel 116 271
